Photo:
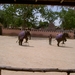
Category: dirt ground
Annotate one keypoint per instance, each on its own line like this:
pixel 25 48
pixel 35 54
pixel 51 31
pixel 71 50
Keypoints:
pixel 36 54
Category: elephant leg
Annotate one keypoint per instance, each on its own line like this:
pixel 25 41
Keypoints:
pixel 20 41
pixel 65 39
pixel 26 39
pixel 58 42
pixel 63 42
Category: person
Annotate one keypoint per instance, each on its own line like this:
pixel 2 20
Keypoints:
pixel 50 39
pixel 74 34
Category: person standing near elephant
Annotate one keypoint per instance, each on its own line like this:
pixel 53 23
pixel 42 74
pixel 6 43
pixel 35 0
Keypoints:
pixel 74 34
pixel 50 39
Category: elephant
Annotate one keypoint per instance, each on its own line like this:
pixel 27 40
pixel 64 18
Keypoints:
pixel 24 35
pixel 62 37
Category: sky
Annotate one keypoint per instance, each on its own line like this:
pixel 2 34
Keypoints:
pixel 57 22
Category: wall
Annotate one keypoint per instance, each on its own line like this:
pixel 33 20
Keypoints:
pixel 35 33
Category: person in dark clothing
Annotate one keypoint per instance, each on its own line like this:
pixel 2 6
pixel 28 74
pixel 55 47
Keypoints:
pixel 74 34
pixel 50 39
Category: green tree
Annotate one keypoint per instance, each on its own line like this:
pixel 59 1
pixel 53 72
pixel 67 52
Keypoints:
pixel 67 17
pixel 24 13
pixel 2 18
pixel 9 14
pixel 27 14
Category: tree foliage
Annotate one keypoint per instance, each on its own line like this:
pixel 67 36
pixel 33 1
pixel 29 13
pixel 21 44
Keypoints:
pixel 67 17
pixel 24 15
pixel 27 15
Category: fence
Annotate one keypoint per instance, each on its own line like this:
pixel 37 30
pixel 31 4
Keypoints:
pixel 68 71
pixel 40 33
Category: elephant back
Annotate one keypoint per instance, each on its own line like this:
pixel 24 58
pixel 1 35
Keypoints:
pixel 21 35
pixel 59 36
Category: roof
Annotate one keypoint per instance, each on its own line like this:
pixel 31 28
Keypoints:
pixel 51 26
pixel 48 2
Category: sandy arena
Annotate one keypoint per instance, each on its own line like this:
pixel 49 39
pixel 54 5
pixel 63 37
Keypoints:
pixel 36 54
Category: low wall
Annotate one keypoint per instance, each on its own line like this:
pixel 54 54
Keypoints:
pixel 34 33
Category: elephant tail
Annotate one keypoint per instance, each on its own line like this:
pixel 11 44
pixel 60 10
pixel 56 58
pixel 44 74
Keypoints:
pixel 17 41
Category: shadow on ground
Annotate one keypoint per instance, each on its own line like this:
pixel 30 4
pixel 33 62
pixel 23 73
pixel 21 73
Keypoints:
pixel 27 46
pixel 65 47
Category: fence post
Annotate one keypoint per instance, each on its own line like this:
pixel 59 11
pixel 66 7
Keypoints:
pixel 68 73
pixel 0 71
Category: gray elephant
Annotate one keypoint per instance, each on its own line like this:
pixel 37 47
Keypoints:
pixel 24 35
pixel 62 37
